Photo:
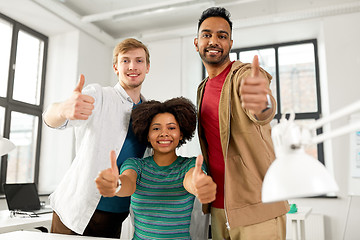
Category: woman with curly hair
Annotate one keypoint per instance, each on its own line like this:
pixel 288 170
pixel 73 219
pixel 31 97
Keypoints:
pixel 162 186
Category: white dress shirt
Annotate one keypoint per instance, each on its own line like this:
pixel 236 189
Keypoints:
pixel 77 197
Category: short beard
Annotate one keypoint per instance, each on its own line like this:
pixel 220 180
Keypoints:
pixel 135 85
pixel 130 85
pixel 211 61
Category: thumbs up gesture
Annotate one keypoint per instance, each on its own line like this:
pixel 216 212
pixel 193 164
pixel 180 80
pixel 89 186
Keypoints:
pixel 203 185
pixel 107 180
pixel 254 88
pixel 78 106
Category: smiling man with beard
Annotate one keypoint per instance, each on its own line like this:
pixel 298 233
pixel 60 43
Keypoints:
pixel 235 107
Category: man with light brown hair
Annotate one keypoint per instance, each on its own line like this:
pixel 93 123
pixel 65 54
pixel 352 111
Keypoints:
pixel 101 120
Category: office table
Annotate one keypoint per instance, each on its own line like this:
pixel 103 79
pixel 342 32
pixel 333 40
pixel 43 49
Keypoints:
pixel 298 222
pixel 9 224
pixel 31 235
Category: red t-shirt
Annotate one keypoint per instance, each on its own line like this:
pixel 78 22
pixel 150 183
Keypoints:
pixel 210 123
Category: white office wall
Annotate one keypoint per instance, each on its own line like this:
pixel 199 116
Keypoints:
pixel 95 61
pixel 56 149
pixel 191 76
pixel 175 71
pixel 69 55
pixel 164 79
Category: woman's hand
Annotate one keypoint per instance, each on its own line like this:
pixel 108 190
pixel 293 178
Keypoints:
pixel 107 180
pixel 203 186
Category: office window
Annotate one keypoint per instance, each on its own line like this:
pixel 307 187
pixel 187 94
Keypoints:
pixel 5 47
pixel 295 84
pixel 22 78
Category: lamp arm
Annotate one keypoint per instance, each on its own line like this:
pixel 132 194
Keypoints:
pixel 338 132
pixel 340 113
pixel 5 146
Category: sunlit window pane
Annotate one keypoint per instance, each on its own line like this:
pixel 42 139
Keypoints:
pixel 2 120
pixel 27 82
pixel 21 161
pixel 266 61
pixel 5 47
pixel 297 78
pixel 233 56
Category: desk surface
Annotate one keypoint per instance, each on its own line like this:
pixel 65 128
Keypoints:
pixel 30 235
pixel 8 224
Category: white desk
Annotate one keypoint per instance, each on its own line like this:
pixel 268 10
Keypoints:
pixel 29 235
pixel 298 222
pixel 9 224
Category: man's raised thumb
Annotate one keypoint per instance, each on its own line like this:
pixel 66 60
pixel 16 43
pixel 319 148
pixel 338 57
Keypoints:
pixel 80 84
pixel 255 68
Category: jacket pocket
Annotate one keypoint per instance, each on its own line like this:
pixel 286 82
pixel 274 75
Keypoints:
pixel 243 185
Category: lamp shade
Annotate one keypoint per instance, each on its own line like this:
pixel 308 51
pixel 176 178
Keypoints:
pixel 296 174
pixel 5 146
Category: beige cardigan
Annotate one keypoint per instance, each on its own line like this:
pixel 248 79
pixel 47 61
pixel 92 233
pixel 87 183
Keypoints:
pixel 248 152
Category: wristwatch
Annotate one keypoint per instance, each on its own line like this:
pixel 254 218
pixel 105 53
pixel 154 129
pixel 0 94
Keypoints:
pixel 268 103
pixel 119 186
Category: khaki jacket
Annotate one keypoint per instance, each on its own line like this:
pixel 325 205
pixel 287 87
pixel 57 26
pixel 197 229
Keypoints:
pixel 248 152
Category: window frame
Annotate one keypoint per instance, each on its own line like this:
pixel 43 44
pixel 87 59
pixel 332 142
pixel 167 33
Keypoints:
pixel 298 116
pixel 11 105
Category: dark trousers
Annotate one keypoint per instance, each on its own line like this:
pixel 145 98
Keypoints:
pixel 102 224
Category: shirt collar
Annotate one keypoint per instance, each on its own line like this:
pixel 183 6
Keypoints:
pixel 121 91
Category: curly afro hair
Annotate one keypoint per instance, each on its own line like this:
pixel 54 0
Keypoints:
pixel 183 110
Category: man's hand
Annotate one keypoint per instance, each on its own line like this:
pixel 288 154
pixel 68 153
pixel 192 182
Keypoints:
pixel 78 106
pixel 253 89
pixel 203 185
pixel 107 180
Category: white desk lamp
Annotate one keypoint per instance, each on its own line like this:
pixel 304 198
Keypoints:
pixel 294 173
pixel 5 146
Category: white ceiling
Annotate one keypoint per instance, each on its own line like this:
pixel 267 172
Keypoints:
pixel 111 20
pixel 120 18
